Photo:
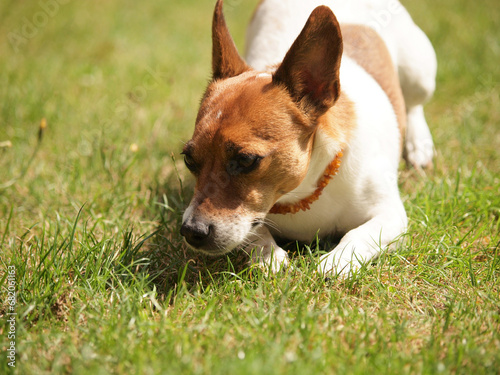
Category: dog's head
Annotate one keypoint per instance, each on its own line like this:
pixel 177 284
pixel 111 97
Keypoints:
pixel 254 131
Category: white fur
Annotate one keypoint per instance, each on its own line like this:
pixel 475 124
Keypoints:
pixel 363 200
pixel 264 250
pixel 277 23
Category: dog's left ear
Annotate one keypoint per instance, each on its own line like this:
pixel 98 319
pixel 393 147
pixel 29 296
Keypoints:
pixel 226 61
pixel 310 69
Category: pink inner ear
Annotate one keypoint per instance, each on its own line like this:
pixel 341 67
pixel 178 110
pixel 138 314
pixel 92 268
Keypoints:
pixel 317 76
pixel 314 87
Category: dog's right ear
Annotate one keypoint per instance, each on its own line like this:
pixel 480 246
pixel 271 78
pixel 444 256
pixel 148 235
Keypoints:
pixel 226 61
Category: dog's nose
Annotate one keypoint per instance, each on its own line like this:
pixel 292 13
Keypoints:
pixel 196 233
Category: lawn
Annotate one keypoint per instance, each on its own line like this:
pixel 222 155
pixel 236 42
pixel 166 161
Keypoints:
pixel 96 99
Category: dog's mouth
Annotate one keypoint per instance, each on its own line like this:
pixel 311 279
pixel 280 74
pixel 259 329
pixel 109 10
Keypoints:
pixel 218 238
pixel 211 252
pixel 213 248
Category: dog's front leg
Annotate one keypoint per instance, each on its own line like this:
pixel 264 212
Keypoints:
pixel 264 251
pixel 364 243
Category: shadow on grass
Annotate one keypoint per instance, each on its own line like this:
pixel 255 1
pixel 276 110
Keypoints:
pixel 171 261
pixel 173 264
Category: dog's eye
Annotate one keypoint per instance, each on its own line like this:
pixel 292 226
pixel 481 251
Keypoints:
pixel 190 163
pixel 243 164
pixel 248 161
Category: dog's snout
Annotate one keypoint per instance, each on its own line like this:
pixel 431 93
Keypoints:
pixel 198 234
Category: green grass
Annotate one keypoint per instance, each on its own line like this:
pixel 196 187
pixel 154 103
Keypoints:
pixel 90 210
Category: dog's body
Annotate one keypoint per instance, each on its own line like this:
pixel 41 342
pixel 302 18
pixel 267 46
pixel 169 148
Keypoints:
pixel 265 140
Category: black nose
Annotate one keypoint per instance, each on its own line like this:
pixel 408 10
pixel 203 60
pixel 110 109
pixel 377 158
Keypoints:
pixel 196 233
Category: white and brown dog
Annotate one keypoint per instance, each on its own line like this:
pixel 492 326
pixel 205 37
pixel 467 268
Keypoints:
pixel 308 141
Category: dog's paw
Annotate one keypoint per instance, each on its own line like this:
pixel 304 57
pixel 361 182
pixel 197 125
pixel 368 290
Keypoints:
pixel 277 262
pixel 333 265
pixel 419 147
pixel 264 252
pixel 420 152
pixel 347 258
pixel 270 258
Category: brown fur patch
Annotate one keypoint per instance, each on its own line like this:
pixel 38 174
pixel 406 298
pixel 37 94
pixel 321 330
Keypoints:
pixel 248 114
pixel 340 121
pixel 367 48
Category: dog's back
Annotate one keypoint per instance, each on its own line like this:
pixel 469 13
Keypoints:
pixel 367 49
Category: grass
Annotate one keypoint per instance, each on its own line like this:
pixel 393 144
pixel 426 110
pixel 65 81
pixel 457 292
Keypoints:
pixel 90 209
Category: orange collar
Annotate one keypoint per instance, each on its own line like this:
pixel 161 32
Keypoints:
pixel 305 204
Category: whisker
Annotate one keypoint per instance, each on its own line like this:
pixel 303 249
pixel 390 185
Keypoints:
pixel 270 223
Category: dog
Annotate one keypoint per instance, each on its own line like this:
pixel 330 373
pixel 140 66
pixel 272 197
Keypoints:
pixel 305 138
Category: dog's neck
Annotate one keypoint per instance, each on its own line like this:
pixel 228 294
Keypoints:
pixel 335 129
pixel 305 203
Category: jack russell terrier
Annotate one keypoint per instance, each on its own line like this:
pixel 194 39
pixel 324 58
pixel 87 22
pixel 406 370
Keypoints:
pixel 305 138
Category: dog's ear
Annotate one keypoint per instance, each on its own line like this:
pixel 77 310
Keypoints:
pixel 226 61
pixel 310 69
